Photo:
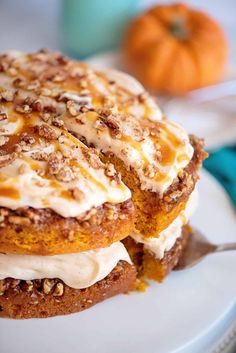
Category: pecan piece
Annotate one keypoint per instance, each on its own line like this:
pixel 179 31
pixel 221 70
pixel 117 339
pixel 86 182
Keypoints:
pixel 7 159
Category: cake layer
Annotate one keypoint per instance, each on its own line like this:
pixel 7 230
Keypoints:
pixel 148 265
pixel 165 240
pixel 44 232
pixel 45 298
pixel 155 212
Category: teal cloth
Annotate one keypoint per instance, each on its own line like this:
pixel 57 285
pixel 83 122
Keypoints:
pixel 222 164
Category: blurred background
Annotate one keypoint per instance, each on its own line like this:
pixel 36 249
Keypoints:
pixel 93 30
pixel 37 22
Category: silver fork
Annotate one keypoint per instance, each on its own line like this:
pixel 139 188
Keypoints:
pixel 198 248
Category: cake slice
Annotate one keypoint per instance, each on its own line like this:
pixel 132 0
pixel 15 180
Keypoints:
pixel 86 160
pixel 112 112
pixel 56 195
pixel 62 210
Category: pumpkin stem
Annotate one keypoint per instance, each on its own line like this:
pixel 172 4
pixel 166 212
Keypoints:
pixel 178 28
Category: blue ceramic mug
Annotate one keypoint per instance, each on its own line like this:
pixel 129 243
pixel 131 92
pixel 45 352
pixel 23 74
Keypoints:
pixel 92 26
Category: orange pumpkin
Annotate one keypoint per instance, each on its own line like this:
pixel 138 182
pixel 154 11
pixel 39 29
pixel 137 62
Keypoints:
pixel 174 49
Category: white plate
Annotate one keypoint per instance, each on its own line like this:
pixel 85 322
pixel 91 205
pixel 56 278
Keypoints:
pixel 181 313
pixel 216 121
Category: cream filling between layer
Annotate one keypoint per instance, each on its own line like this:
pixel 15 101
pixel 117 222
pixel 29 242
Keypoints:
pixel 77 270
pixel 167 238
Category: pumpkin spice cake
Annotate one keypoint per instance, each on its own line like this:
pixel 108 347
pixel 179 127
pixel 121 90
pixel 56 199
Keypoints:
pixel 86 159
pixel 63 211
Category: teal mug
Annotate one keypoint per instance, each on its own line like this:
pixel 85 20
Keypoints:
pixel 88 27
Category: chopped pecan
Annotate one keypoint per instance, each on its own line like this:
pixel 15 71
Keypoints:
pixel 65 174
pixel 2 286
pixel 48 132
pixel 14 283
pixel 100 125
pixel 33 85
pixel 3 140
pixel 142 97
pixel 59 290
pixel 3 116
pixel 110 170
pixel 150 171
pixel 48 284
pixel 19 82
pixel 57 122
pixel 18 220
pixel 71 108
pixel 7 159
pixel 40 156
pixel 55 162
pixel 24 109
pixel 28 138
pixel 92 156
pixel 7 95
pixel 37 106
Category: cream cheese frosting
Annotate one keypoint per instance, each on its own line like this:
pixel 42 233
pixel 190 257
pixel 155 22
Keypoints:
pixel 156 162
pixel 167 238
pixel 76 188
pixel 110 110
pixel 78 270
pixel 42 165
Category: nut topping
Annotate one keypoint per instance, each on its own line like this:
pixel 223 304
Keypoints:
pixel 59 290
pixel 3 116
pixel 24 109
pixel 48 132
pixel 7 159
pixel 48 284
pixel 110 170
pixel 23 221
pixel 3 140
pixel 7 96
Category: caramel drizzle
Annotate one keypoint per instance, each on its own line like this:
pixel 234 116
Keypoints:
pixel 171 148
pixel 9 147
pixel 9 192
pixel 137 146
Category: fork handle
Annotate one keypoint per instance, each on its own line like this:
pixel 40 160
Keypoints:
pixel 225 247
